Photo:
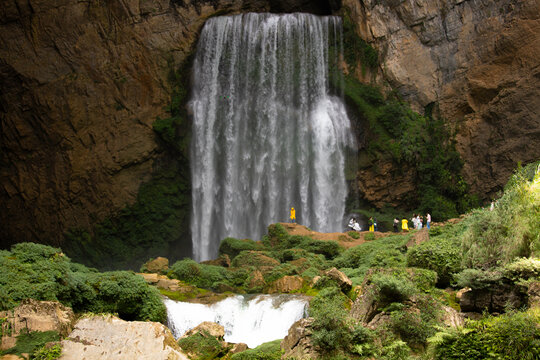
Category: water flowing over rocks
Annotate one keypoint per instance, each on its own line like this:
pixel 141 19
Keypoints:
pixel 251 321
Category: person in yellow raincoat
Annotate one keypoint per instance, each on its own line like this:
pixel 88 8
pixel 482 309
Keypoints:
pixel 293 215
pixel 405 225
pixel 371 224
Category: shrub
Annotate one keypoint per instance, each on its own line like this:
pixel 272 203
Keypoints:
pixel 267 351
pixel 204 346
pixel 512 229
pixel 369 236
pixel 354 234
pixel 232 247
pixel 373 253
pixel 44 273
pixel 478 279
pixel 48 352
pixel 512 335
pixel 439 255
pixel 200 275
pixel 330 249
pixel 523 269
pixel 330 327
pixel 389 289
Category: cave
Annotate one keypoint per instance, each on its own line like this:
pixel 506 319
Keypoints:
pixel 317 7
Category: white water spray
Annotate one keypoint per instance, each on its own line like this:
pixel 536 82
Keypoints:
pixel 253 322
pixel 268 134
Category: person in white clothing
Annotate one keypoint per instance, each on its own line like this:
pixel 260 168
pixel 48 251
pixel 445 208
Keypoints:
pixel 356 226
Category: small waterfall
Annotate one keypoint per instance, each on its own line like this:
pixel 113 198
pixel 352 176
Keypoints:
pixel 256 321
pixel 268 132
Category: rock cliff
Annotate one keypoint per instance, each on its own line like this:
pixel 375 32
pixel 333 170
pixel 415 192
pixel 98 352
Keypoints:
pixel 478 60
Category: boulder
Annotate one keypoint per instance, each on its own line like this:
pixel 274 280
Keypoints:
pixel 342 280
pixel 108 337
pixel 534 294
pixel 452 317
pixel 157 265
pixel 34 315
pixel 297 344
pixel 239 347
pixel 286 284
pixel 224 260
pixel 256 280
pixel 11 357
pixel 494 299
pixel 163 282
pixel 212 328
pixel 364 307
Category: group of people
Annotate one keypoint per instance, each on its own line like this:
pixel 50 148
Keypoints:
pixel 417 220
pixel 354 225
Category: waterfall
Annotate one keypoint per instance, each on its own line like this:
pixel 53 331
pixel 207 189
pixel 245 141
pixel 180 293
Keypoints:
pixel 253 322
pixel 269 129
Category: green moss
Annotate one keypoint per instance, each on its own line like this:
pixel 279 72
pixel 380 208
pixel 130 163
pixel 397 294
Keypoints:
pixel 48 352
pixel 27 343
pixel 204 346
pixel 355 48
pixel 408 139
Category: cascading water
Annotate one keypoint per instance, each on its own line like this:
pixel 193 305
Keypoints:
pixel 253 322
pixel 268 134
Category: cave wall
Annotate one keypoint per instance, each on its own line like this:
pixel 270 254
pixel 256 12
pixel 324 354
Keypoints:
pixel 478 60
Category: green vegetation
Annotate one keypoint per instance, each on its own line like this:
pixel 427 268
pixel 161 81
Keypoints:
pixel 515 335
pixel 45 273
pixel 48 352
pixel 512 229
pixel 410 140
pixel 158 222
pixel 204 346
pixel 32 343
pixel 357 49
pixel 267 351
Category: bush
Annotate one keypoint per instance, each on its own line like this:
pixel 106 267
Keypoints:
pixel 440 255
pixel 330 326
pixel 390 289
pixel 232 247
pixel 267 351
pixel 201 275
pixel 512 335
pixel 369 236
pixel 376 253
pixel 512 229
pixel 478 279
pixel 354 234
pixel 330 249
pixel 523 269
pixel 48 352
pixel 204 346
pixel 44 273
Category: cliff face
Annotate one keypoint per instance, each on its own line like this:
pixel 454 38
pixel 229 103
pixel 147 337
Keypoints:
pixel 478 60
pixel 81 84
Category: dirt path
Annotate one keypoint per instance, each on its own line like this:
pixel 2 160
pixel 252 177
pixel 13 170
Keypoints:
pixel 342 238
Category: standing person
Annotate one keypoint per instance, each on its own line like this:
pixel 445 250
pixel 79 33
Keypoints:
pixel 414 221
pixel 428 220
pixel 404 225
pixel 396 224
pixel 419 222
pixel 293 215
pixel 371 224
